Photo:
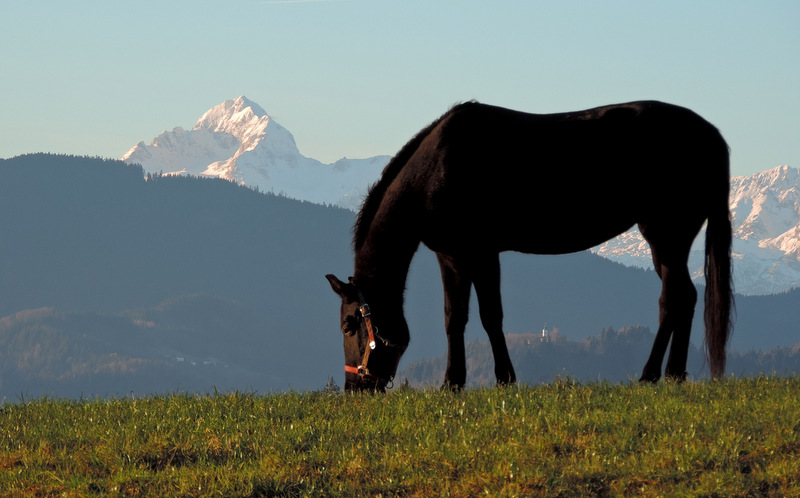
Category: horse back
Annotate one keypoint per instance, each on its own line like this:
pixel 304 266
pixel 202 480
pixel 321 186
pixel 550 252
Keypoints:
pixel 496 176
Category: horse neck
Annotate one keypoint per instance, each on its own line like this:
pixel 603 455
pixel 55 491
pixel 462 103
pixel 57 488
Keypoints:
pixel 382 262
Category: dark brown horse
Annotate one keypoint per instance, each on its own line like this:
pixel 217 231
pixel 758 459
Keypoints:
pixel 481 180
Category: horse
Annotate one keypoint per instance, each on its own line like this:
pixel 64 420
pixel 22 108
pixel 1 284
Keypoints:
pixel 482 179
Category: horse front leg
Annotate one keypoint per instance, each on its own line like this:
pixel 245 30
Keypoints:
pixel 457 285
pixel 486 277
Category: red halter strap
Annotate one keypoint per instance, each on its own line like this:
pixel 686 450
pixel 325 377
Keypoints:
pixel 362 370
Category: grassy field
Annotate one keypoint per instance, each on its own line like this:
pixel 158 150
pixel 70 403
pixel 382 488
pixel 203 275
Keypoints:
pixel 736 437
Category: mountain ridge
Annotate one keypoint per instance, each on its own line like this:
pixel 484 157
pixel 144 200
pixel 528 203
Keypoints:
pixel 765 210
pixel 239 142
pixel 208 271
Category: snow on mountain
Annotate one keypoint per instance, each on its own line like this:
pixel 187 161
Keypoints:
pixel 766 224
pixel 238 141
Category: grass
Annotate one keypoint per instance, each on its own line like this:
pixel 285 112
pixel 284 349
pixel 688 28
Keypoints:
pixel 735 437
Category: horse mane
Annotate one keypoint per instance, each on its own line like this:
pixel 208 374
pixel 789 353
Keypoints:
pixel 378 190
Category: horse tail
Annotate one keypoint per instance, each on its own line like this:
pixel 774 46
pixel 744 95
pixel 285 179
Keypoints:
pixel 719 303
pixel 377 191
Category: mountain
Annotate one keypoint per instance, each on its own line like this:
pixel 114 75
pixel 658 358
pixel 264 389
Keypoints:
pixel 766 223
pixel 94 237
pixel 112 282
pixel 238 141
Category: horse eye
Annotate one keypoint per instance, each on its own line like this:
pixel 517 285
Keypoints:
pixel 350 326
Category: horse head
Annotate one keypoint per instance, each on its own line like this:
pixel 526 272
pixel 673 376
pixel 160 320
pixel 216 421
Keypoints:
pixel 370 360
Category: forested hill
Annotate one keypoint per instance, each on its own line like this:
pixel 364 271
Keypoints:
pixel 89 239
pixel 112 282
pixel 541 359
pixel 92 234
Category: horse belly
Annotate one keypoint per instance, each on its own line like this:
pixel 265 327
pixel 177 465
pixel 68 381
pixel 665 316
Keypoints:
pixel 480 228
pixel 565 239
pixel 562 223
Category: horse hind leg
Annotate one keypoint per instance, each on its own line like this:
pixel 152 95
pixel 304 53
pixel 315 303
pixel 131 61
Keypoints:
pixel 676 310
pixel 486 277
pixel 457 285
pixel 681 302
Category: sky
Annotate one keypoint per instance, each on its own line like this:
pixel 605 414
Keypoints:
pixel 358 78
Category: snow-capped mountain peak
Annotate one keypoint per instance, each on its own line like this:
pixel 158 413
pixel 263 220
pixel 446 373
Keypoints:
pixel 238 141
pixel 767 204
pixel 242 118
pixel 766 223
pixel 239 110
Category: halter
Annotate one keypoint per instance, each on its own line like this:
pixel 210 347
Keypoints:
pixel 362 370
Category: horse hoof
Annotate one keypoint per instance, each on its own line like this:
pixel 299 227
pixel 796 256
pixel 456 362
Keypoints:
pixel 449 386
pixel 506 382
pixel 679 378
pixel 649 378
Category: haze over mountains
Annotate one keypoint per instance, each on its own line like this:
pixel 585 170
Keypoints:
pixel 238 141
pixel 189 273
pixel 113 283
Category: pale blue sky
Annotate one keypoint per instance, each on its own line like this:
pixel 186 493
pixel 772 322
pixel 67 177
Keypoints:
pixel 359 77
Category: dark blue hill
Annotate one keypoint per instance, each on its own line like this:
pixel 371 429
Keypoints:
pixel 207 269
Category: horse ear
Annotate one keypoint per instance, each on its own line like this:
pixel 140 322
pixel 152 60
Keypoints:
pixel 346 291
